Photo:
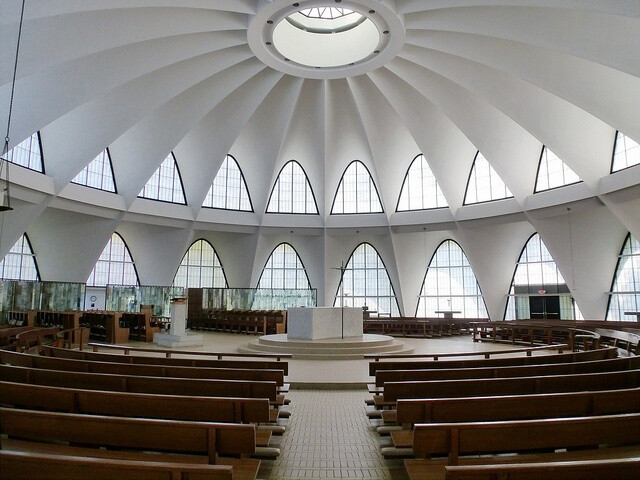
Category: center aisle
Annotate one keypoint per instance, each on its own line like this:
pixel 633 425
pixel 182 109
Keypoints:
pixel 329 436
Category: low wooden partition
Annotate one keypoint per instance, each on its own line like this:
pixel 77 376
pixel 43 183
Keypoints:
pixel 141 326
pixel 427 327
pixel 262 322
pixel 105 326
pixel 21 318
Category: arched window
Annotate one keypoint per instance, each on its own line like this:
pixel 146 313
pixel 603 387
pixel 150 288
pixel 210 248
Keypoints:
pixel 484 185
pixel 98 174
pixel 450 285
pixel 626 153
pixel 366 282
pixel 420 189
pixel 292 192
pixel 625 291
pixel 538 289
pixel 28 153
pixel 229 190
pixel 165 184
pixel 20 262
pixel 553 172
pixel 356 192
pixel 200 268
pixel 284 269
pixel 115 265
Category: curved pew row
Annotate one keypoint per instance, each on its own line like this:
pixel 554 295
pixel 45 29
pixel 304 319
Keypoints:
pixel 186 362
pixel 132 438
pixel 92 366
pixel 39 466
pixel 415 364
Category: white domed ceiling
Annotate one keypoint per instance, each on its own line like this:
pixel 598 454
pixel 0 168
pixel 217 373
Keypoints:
pixel 204 78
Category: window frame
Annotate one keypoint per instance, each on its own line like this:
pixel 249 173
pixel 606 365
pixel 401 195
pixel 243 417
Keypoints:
pixel 184 193
pixel 200 266
pixel 466 190
pixel 284 269
pixel 41 155
pixel 22 255
pixel 113 176
pixel 341 182
pixel 404 182
pixel 535 185
pixel 135 268
pixel 615 277
pixel 613 154
pixel 243 182
pixel 306 182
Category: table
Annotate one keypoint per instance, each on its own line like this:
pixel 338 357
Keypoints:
pixel 313 323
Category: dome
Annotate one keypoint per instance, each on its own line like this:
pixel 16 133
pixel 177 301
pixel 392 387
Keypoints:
pixel 448 81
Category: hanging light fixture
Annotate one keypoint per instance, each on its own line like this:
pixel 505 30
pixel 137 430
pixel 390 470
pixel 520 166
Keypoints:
pixel 5 200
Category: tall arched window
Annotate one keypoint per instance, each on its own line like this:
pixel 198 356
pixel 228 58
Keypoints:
pixel 553 172
pixel 625 291
pixel 366 282
pixel 115 265
pixel 420 189
pixel 28 153
pixel 292 192
pixel 450 285
pixel 200 268
pixel 98 174
pixel 484 185
pixel 20 262
pixel 356 192
pixel 229 190
pixel 165 184
pixel 538 289
pixel 284 269
pixel 626 153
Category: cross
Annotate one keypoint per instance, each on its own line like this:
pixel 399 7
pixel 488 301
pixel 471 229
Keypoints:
pixel 342 269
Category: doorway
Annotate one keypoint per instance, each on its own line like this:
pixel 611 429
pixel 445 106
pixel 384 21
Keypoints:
pixel 544 306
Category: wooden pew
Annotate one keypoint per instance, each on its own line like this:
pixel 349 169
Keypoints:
pixel 218 443
pixel 187 362
pixel 617 469
pixel 169 407
pixel 8 335
pixel 39 466
pixel 627 342
pixel 393 391
pixel 609 365
pixel 416 363
pixel 54 363
pixel 130 383
pixel 36 337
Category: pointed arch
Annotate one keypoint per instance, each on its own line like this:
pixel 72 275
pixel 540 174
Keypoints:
pixel 165 184
pixel 420 189
pixel 553 172
pixel 366 282
pixel 115 265
pixel 292 192
pixel 20 263
pixel 98 174
pixel 28 153
pixel 484 184
pixel 200 268
pixel 284 269
pixel 626 153
pixel 625 288
pixel 357 192
pixel 538 289
pixel 229 189
pixel 450 285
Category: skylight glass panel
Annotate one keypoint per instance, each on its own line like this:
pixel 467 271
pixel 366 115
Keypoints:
pixel 485 184
pixel 625 293
pixel 165 184
pixel 200 268
pixel 20 262
pixel 538 289
pixel 328 13
pixel 553 172
pixel 98 174
pixel 284 270
pixel 229 190
pixel 115 265
pixel 292 192
pixel 356 192
pixel 28 154
pixel 420 189
pixel 366 283
pixel 450 286
pixel 626 153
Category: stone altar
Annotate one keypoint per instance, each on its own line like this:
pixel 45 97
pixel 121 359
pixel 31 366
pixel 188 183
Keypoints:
pixel 313 323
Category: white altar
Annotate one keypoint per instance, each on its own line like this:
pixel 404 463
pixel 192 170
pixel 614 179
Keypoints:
pixel 178 336
pixel 306 323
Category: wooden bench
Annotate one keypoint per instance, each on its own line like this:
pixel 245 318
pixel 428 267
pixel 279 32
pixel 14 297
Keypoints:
pixel 36 337
pixel 617 469
pixel 66 364
pixel 427 327
pixel 40 466
pixel 187 362
pixel 628 343
pixel 8 335
pixel 415 363
pixel 132 438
